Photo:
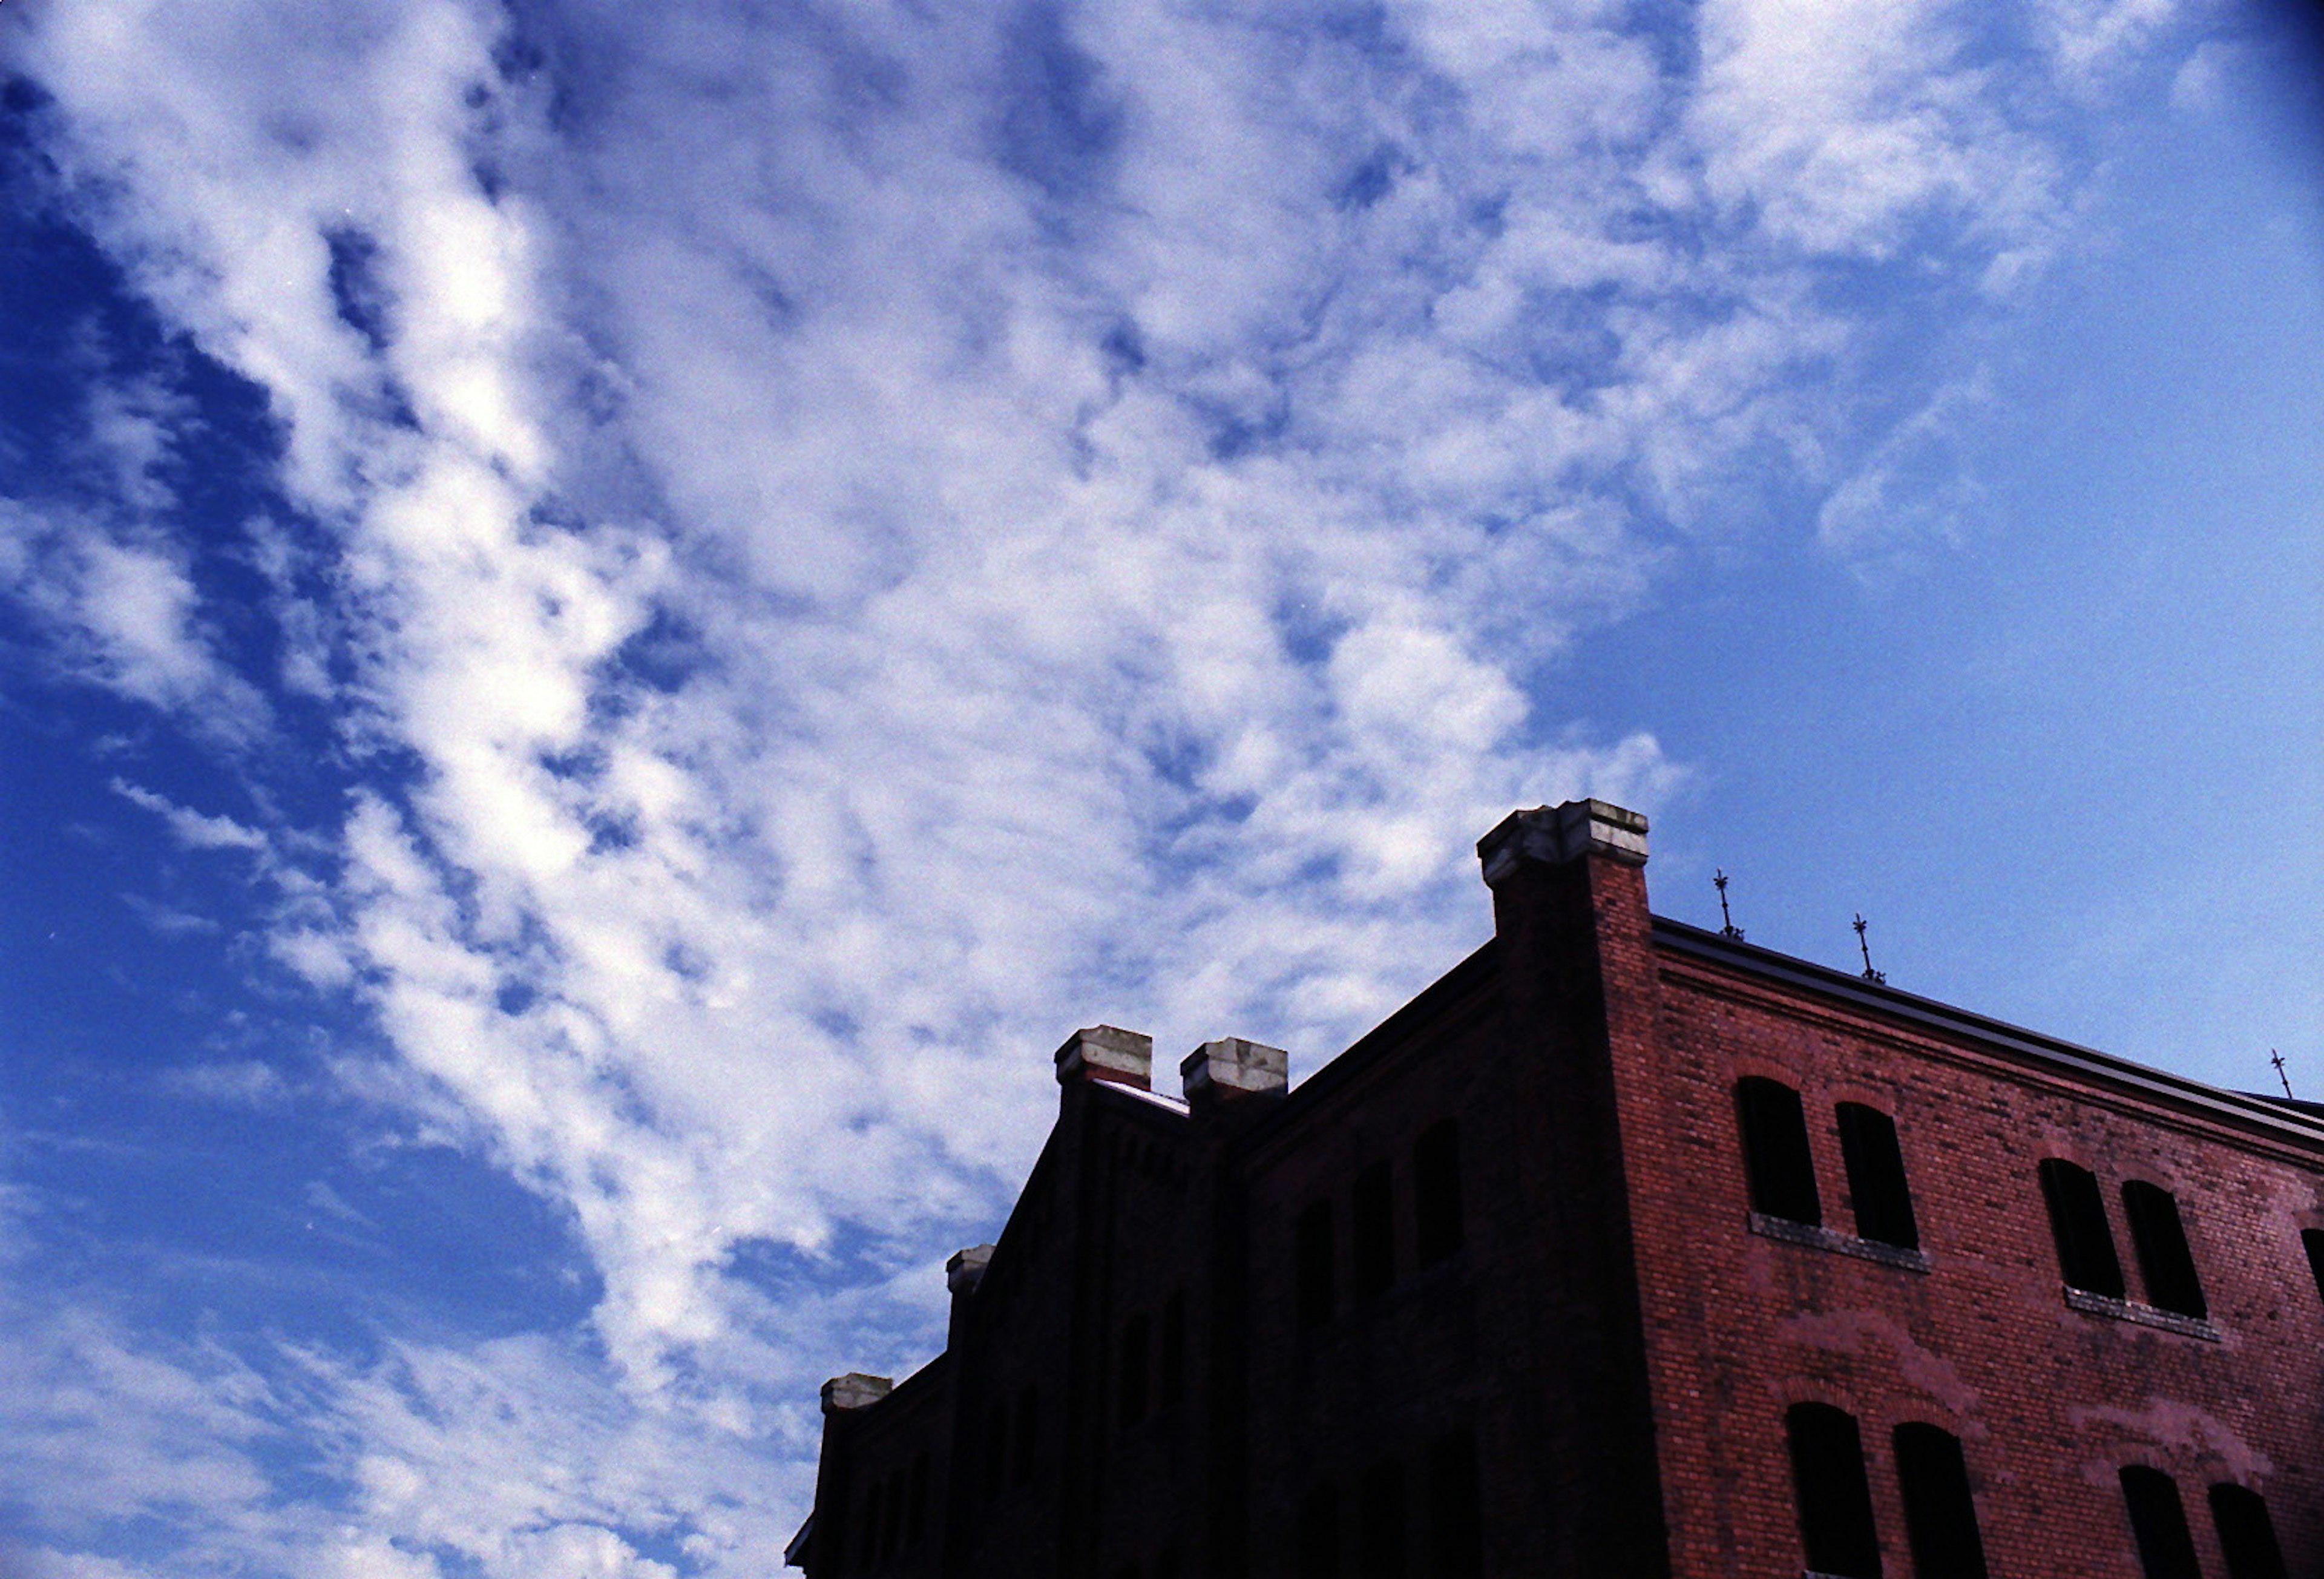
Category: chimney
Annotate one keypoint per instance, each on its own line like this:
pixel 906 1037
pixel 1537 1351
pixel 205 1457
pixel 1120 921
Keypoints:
pixel 1102 1052
pixel 966 1270
pixel 1231 1069
pixel 1555 835
pixel 853 1390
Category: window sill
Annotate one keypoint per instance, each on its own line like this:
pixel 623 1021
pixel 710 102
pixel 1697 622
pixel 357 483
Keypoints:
pixel 2169 1321
pixel 1832 1239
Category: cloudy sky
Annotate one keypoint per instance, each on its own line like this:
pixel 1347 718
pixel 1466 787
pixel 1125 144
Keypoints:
pixel 614 618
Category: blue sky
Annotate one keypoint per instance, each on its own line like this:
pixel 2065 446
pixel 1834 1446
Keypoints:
pixel 612 621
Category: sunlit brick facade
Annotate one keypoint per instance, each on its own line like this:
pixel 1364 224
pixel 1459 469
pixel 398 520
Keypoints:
pixel 1625 1249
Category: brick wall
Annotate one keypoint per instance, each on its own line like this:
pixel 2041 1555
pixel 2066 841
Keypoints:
pixel 2049 1401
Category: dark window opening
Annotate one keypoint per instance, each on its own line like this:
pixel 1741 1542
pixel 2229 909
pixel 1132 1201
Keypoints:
pixel 1133 1371
pixel 1319 1535
pixel 1312 1265
pixel 916 1522
pixel 1029 1430
pixel 2247 1534
pixel 2311 1239
pixel 2159 1239
pixel 996 1451
pixel 1437 1192
pixel 1776 1162
pixel 1939 1516
pixel 891 1516
pixel 831 1535
pixel 1373 1252
pixel 1456 1527
pixel 1835 1499
pixel 1877 1188
pixel 2085 1258
pixel 1173 1350
pixel 1380 1522
pixel 871 1553
pixel 2158 1523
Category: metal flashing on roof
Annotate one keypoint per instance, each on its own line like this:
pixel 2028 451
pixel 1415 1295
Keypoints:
pixel 1928 1013
pixel 1168 1103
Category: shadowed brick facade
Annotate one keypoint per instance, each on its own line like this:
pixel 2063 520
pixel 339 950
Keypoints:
pixel 1624 1249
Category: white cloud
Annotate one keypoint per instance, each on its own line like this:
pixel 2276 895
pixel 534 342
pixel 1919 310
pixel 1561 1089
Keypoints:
pixel 193 829
pixel 125 617
pixel 507 1458
pixel 1100 497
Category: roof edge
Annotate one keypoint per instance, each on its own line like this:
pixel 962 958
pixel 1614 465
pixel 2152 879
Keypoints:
pixel 1928 1013
pixel 1347 1063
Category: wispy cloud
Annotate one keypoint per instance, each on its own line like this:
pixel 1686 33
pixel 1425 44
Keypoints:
pixel 847 541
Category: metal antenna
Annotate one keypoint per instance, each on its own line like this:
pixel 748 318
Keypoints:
pixel 1726 927
pixel 1869 974
pixel 2276 1059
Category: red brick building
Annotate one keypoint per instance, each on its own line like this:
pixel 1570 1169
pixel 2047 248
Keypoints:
pixel 1624 1249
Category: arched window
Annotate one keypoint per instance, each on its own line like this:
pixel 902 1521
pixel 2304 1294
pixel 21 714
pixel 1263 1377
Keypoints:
pixel 1456 1525
pixel 1380 1517
pixel 1835 1499
pixel 871 1553
pixel 916 1522
pixel 1028 1433
pixel 1319 1535
pixel 1173 1348
pixel 1312 1268
pixel 2159 1239
pixel 1133 1371
pixel 1775 1157
pixel 1877 1189
pixel 2158 1524
pixel 1372 1228
pixel 1939 1516
pixel 1437 1192
pixel 2247 1534
pixel 2085 1258
pixel 996 1451
pixel 891 1516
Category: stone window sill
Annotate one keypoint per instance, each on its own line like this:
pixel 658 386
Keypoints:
pixel 2169 1321
pixel 1832 1239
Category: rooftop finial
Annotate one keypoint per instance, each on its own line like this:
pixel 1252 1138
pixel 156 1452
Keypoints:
pixel 2276 1059
pixel 1726 927
pixel 1870 974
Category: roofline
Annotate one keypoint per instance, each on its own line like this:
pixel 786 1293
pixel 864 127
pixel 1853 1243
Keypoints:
pixel 1346 1064
pixel 1927 1014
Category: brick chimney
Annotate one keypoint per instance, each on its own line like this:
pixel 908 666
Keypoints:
pixel 1233 1070
pixel 1104 1052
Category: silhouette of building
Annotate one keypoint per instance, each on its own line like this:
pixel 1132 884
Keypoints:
pixel 1624 1249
